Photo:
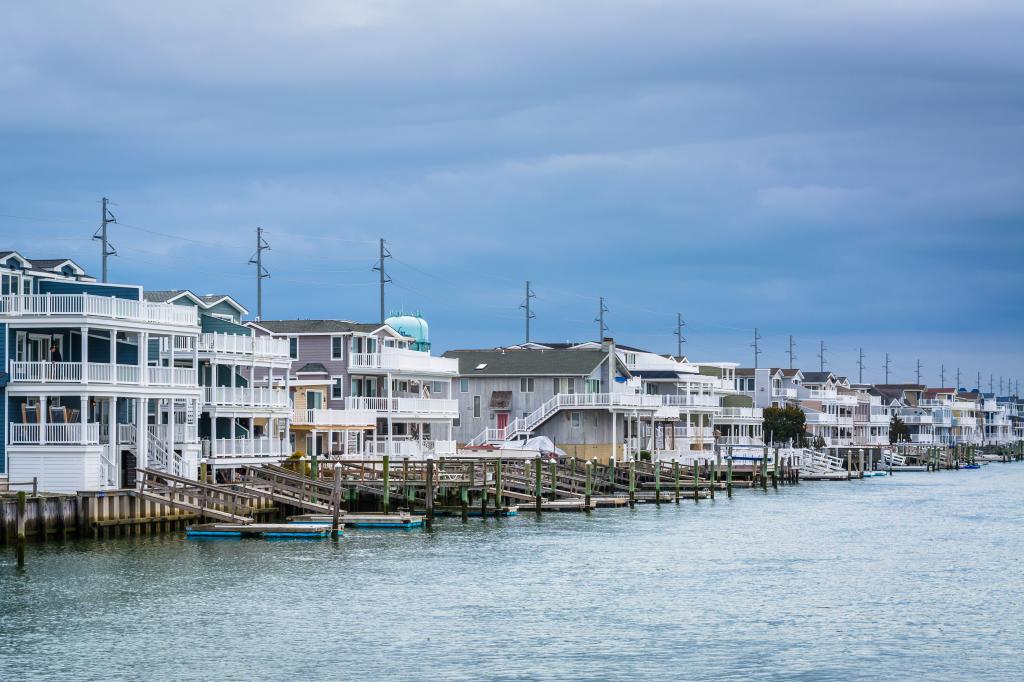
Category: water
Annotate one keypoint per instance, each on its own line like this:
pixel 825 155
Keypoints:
pixel 914 576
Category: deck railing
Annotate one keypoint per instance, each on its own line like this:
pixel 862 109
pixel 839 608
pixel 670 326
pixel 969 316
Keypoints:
pixel 250 447
pixel 227 396
pixel 324 417
pixel 55 434
pixel 236 344
pixel 90 305
pixel 403 360
pixel 98 373
pixel 442 407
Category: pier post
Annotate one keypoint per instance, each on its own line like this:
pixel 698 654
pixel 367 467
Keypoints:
pixel 464 502
pixel 775 470
pixel 430 493
pixel 314 464
pixel 632 482
pixel 386 479
pixel 675 477
pixel 696 479
pixel 860 456
pixel 713 476
pixel 611 474
pixel 498 504
pixel 728 475
pixel 19 547
pixel 657 481
pixel 589 485
pixel 849 465
pixel 537 491
pixel 336 501
pixel 764 469
pixel 410 496
pixel 553 478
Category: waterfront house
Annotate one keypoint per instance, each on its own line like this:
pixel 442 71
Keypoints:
pixel 366 388
pixel 84 401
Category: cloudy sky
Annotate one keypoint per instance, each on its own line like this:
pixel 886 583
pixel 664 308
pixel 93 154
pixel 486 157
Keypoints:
pixel 839 171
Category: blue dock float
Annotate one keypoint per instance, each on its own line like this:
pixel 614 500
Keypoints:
pixel 260 530
pixel 399 520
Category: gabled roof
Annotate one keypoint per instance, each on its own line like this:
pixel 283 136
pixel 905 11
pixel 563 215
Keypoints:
pixel 45 264
pixel 818 377
pixel 213 299
pixel 169 295
pixel 312 368
pixel 320 327
pixel 790 373
pixel 499 362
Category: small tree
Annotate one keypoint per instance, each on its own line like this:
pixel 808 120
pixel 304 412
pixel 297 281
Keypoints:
pixel 898 431
pixel 785 423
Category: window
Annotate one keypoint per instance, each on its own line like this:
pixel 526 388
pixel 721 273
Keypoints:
pixel 576 419
pixel 436 388
pixel 630 358
pixel 593 385
pixel 526 385
pixel 476 407
pixel 463 385
pixel 336 347
pixel 564 385
pixel 337 388
pixel 293 347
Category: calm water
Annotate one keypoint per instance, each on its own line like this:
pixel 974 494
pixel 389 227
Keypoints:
pixel 914 576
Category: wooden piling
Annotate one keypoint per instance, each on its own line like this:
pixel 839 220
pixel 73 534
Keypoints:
pixel 728 475
pixel 336 501
pixel 588 489
pixel 386 477
pixel 537 490
pixel 553 478
pixel 657 480
pixel 860 463
pixel 764 470
pixel 498 504
pixel 775 470
pixel 464 503
pixel 675 477
pixel 713 478
pixel 430 493
pixel 696 480
pixel 632 482
pixel 19 547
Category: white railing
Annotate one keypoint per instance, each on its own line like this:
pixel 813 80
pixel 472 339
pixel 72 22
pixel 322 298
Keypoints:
pixel 783 392
pixel 225 396
pixel 689 400
pixel 740 413
pixel 183 433
pixel 740 440
pixel 408 447
pixel 126 434
pixel 420 406
pixel 702 432
pixel 97 306
pixel 403 360
pixel 108 467
pixel 98 373
pixel 916 418
pixel 322 417
pixel 820 418
pixel 236 344
pixel 250 447
pixel 56 434
pixel 922 438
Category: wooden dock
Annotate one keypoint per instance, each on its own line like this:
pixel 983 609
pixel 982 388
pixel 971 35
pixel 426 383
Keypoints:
pixel 262 530
pixel 395 520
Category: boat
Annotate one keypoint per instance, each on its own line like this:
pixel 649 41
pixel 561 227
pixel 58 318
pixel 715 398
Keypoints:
pixel 872 474
pixel 260 530
pixel 971 466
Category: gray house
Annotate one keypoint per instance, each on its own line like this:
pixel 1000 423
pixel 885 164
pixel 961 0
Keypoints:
pixel 579 398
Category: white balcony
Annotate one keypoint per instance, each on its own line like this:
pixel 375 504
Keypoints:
pixel 89 305
pixel 689 400
pixel 249 447
pixel 783 393
pixel 366 419
pixel 235 344
pixel 740 414
pixel 55 434
pixel 916 418
pixel 740 440
pixel 820 418
pixel 413 449
pixel 99 373
pixel 183 433
pixel 694 432
pixel 402 360
pixel 226 396
pixel 924 438
pixel 442 408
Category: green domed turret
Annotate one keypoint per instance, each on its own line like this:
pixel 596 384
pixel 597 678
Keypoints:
pixel 413 326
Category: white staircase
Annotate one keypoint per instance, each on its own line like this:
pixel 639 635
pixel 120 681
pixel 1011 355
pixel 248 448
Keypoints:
pixel 817 463
pixel 891 458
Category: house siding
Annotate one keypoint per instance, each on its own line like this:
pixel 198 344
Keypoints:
pixel 50 286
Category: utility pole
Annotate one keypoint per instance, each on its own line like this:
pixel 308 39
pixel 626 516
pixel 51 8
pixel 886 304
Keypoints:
pixel 886 368
pixel 978 386
pixel 957 379
pixel 942 376
pixel 918 371
pixel 106 248
pixel 821 356
pixel 601 310
pixel 860 367
pixel 792 357
pixel 1000 385
pixel 261 272
pixel 680 339
pixel 990 384
pixel 757 350
pixel 526 306
pixel 384 278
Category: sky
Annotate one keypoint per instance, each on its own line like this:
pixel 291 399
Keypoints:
pixel 848 173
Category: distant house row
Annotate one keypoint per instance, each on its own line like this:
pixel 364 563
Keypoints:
pixel 102 379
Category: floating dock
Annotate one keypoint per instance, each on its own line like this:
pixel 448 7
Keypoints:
pixel 399 520
pixel 264 530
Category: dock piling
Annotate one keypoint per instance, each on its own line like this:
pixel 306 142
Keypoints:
pixel 537 490
pixel 430 493
pixel 19 548
pixel 728 475
pixel 386 479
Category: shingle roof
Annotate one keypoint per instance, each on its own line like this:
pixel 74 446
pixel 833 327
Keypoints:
pixel 312 367
pixel 655 373
pixel 316 326
pixel 560 362
pixel 816 377
pixel 162 296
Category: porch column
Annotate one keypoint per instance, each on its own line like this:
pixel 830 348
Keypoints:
pixel 252 434
pixel 115 451
pixel 391 428
pixel 143 358
pixel 43 410
pixel 84 374
pixel 614 447
pixel 113 357
pixel 233 425
pixel 83 418
pixel 170 422
pixel 141 433
pixel 213 434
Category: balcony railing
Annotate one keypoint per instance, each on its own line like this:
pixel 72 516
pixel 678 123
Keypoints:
pixel 226 396
pixel 409 448
pixel 402 360
pixel 689 400
pixel 740 440
pixel 916 418
pixel 730 413
pixel 99 373
pixel 235 344
pixel 55 434
pixel 783 392
pixel 183 433
pixel 250 447
pixel 337 418
pixel 820 418
pixel 439 407
pixel 90 305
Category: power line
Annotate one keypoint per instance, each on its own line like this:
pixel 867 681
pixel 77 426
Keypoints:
pixel 261 272
pixel 384 279
pixel 106 248
pixel 602 327
pixel 526 306
pixel 680 339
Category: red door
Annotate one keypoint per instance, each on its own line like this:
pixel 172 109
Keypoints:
pixel 502 420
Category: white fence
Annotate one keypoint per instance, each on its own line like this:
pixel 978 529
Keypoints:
pixel 97 306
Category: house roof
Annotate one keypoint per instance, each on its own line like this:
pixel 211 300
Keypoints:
pixel 312 368
pixel 50 264
pixel 162 296
pixel 790 372
pixel 317 326
pixel 817 377
pixel 655 373
pixel 745 371
pixel 498 362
